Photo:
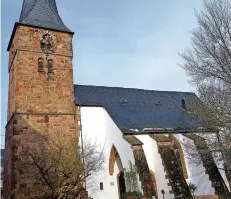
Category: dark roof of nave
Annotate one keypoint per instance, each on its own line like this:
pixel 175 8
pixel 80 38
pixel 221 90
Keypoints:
pixel 138 110
pixel 42 13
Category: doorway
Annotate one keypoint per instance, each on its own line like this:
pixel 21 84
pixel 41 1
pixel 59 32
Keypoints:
pixel 121 184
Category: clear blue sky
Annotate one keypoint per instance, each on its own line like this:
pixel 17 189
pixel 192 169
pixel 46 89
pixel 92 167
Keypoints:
pixel 127 43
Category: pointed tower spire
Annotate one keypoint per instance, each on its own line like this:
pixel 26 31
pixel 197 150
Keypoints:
pixel 42 13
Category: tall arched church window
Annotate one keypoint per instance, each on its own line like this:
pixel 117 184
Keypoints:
pixel 179 155
pixel 40 65
pixel 50 66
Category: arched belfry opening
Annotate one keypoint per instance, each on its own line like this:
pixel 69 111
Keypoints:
pixel 115 162
pixel 50 66
pixel 40 65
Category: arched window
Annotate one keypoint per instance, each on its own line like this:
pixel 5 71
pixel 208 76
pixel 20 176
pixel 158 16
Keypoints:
pixel 179 155
pixel 50 66
pixel 40 65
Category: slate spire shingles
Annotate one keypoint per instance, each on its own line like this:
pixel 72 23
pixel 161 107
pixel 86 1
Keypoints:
pixel 42 13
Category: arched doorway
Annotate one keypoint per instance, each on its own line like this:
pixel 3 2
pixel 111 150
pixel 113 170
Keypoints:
pixel 115 161
pixel 114 158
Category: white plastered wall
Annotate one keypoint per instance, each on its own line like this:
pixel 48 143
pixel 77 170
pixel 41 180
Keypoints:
pixel 98 126
pixel 196 173
pixel 218 162
pixel 155 164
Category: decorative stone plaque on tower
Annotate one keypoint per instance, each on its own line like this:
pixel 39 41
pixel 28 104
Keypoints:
pixel 47 43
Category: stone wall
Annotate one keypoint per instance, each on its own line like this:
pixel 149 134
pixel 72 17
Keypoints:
pixel 34 91
pixel 28 130
pixel 40 103
pixel 7 178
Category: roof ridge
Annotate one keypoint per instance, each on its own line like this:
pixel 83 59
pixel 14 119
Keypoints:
pixel 116 87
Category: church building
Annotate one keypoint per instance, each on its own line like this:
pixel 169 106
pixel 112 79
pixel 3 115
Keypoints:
pixel 144 128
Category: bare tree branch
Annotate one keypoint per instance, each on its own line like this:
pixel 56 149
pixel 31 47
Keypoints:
pixel 208 64
pixel 59 164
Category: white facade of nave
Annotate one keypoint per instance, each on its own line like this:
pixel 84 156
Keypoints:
pixel 98 126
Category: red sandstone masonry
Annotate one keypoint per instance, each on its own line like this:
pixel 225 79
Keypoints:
pixel 28 38
pixel 27 131
pixel 31 91
pixel 37 104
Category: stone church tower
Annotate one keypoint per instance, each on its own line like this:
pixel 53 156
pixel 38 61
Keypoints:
pixel 41 90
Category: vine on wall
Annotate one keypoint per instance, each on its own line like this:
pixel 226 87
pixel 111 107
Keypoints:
pixel 131 179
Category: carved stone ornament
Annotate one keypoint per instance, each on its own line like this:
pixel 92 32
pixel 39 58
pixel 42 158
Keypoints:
pixel 47 43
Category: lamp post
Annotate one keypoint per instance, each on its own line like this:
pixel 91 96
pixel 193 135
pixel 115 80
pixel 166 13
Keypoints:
pixel 163 192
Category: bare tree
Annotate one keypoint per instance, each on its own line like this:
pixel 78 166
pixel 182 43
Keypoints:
pixel 208 64
pixel 60 165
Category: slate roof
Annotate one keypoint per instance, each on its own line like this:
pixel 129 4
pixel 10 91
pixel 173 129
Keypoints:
pixel 137 110
pixel 42 13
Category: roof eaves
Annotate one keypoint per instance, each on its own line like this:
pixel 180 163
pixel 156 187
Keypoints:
pixel 89 105
pixel 171 130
